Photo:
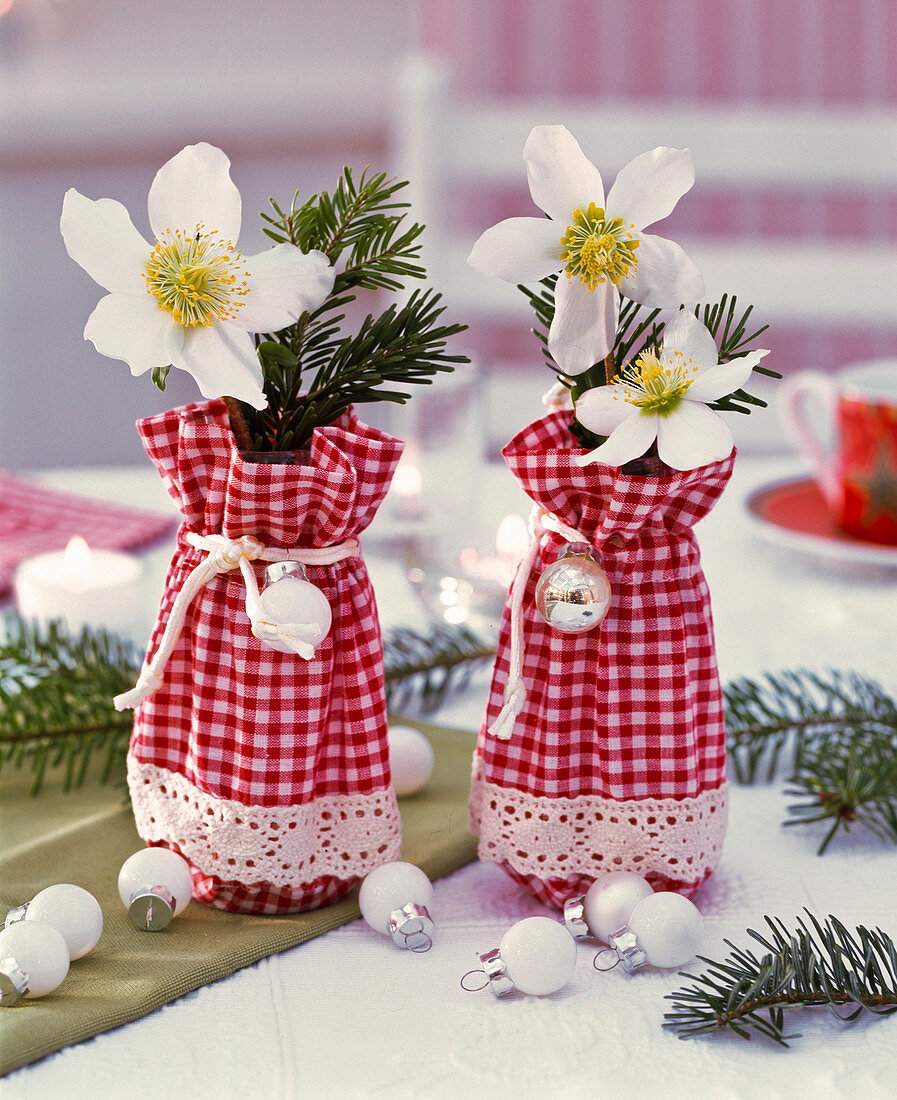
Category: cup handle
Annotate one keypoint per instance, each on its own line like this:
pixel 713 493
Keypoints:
pixel 796 394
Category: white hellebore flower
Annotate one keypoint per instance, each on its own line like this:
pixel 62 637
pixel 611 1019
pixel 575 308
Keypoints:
pixel 191 298
pixel 662 396
pixel 599 244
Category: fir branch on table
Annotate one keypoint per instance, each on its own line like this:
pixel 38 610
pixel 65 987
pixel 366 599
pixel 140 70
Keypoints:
pixel 847 782
pixel 816 965
pixel 424 669
pixel 782 714
pixel 312 370
pixel 56 691
pixel 838 736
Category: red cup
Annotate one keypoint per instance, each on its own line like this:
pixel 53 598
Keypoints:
pixel 851 442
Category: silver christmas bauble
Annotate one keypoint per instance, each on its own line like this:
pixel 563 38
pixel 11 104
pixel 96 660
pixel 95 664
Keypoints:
pixel 573 594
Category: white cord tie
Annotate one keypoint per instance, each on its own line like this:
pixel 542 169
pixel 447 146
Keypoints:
pixel 302 638
pixel 557 397
pixel 514 699
pixel 222 556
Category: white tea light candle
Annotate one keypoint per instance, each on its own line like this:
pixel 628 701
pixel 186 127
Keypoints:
pixel 407 486
pixel 83 586
pixel 511 540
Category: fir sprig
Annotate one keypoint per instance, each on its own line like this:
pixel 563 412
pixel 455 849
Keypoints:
pixel 56 691
pixel 817 965
pixel 403 345
pixel 771 722
pixel 640 329
pixel 837 736
pixel 424 669
pixel 729 331
pixel 637 329
pixel 845 782
pixel 313 371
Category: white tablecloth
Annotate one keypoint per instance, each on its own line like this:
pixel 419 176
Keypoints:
pixel 349 1015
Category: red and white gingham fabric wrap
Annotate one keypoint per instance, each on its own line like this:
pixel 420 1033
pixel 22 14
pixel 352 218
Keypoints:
pixel 617 759
pixel 269 773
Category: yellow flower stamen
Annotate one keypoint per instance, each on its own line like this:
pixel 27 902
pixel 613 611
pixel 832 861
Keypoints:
pixel 198 278
pixel 655 384
pixel 596 248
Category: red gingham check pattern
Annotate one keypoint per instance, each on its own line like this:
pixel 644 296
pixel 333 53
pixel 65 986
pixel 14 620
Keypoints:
pixel 236 718
pixel 264 899
pixel 35 520
pixel 270 900
pixel 633 709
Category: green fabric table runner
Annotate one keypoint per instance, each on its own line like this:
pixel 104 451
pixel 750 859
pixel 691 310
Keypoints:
pixel 84 837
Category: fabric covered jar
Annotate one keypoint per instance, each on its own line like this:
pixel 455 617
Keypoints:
pixel 267 770
pixel 605 750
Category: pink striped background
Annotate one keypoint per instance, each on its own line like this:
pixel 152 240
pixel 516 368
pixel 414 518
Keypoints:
pixel 838 53
pixel 782 51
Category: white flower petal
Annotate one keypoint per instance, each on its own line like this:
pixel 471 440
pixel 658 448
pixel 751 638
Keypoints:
pixel 223 360
pixel 132 327
pixel 561 177
pixel 194 188
pixel 283 283
pixel 725 378
pixel 602 409
pixel 649 187
pixel 584 325
pixel 686 334
pixel 666 275
pixel 100 236
pixel 692 436
pixel 520 250
pixel 630 440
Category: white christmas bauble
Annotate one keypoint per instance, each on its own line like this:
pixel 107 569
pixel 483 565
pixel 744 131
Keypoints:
pixel 152 867
pixel 410 759
pixel 539 955
pixel 40 951
pixel 73 912
pixel 390 887
pixel 668 927
pixel 610 901
pixel 292 599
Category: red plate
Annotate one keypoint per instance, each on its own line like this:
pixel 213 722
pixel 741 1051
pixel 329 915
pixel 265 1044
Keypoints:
pixel 795 513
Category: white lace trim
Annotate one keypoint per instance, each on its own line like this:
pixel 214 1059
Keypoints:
pixel 341 835
pixel 680 839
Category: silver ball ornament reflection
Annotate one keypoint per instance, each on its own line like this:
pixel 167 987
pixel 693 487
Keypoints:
pixel 573 594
